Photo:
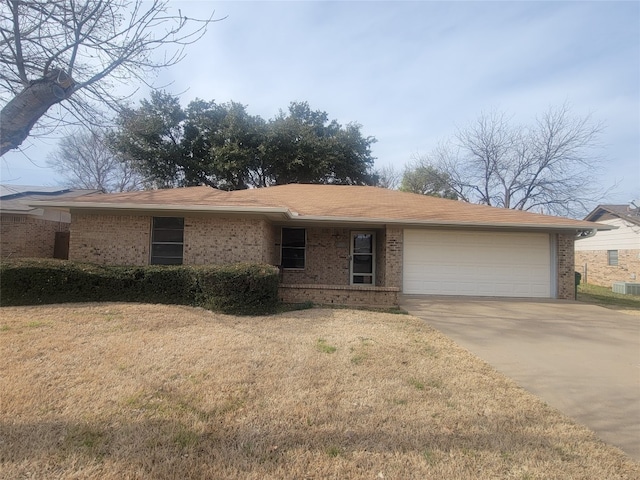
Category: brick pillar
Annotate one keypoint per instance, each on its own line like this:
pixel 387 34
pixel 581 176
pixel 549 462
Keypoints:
pixel 393 257
pixel 565 266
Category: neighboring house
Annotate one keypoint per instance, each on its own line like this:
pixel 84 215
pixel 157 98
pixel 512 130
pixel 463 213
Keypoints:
pixel 335 244
pixel 27 231
pixel 613 255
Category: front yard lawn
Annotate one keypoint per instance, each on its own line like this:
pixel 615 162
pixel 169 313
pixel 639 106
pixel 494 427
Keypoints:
pixel 136 391
pixel 605 297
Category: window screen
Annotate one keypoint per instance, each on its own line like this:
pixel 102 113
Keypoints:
pixel 167 240
pixel 293 247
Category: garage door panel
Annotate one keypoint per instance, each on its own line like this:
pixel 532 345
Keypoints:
pixel 477 263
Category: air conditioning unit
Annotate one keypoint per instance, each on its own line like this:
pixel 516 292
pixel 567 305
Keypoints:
pixel 626 288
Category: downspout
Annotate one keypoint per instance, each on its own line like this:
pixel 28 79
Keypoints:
pixel 580 234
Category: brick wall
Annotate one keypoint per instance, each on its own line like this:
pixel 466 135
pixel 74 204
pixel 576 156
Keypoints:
pixel 125 240
pixel 393 256
pixel 110 239
pixel 565 266
pixel 271 244
pixel 340 295
pixel 327 258
pixel 220 240
pixel 25 236
pixel 381 257
pixel 598 272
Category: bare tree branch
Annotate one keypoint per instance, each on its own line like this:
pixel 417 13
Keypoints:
pixel 550 166
pixel 84 160
pixel 52 51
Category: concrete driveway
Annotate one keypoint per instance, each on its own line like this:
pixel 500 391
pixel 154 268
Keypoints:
pixel 582 359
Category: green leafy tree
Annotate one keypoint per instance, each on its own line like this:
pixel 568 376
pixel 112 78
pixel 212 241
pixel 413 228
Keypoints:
pixel 303 146
pixel 223 146
pixel 150 139
pixel 426 179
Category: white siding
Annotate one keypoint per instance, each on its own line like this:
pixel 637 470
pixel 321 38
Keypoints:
pixel 626 237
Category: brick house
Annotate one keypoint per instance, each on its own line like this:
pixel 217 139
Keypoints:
pixel 335 244
pixel 612 255
pixel 27 231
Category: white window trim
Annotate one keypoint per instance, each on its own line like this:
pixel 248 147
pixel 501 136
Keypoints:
pixel 373 258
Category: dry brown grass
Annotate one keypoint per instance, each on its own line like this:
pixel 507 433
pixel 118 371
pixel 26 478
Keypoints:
pixel 116 391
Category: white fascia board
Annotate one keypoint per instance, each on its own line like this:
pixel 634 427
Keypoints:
pixel 162 207
pixel 451 223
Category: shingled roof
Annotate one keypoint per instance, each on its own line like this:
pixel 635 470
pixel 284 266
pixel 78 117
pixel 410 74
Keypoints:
pixel 327 203
pixel 16 199
pixel 608 212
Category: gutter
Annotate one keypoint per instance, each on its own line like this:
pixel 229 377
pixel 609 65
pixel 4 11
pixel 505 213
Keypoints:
pixel 450 223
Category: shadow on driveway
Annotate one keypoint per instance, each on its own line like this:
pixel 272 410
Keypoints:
pixel 582 359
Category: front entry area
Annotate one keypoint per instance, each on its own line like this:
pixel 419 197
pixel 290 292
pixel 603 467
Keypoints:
pixel 481 263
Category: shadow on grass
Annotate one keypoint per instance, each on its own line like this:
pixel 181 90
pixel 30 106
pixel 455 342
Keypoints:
pixel 160 449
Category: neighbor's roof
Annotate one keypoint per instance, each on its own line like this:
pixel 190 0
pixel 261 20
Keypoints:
pixel 607 212
pixel 327 204
pixel 17 198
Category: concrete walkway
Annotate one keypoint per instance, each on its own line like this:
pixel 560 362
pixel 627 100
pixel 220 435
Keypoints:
pixel 582 359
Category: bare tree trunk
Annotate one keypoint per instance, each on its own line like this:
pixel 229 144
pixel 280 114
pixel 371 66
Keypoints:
pixel 18 117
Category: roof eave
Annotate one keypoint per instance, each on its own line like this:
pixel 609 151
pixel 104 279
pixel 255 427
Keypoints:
pixel 603 208
pixel 452 223
pixel 293 216
pixel 163 207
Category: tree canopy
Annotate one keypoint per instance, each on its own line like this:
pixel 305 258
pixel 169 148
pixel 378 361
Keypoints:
pixel 425 179
pixel 548 166
pixel 224 146
pixel 76 52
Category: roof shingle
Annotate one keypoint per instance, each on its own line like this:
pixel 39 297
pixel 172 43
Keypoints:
pixel 333 202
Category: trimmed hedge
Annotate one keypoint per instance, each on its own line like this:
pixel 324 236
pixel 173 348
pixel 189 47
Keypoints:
pixel 241 289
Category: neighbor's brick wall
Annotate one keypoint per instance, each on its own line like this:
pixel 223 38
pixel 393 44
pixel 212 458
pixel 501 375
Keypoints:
pixel 565 266
pixel 110 239
pixel 25 236
pixel 598 272
pixel 221 240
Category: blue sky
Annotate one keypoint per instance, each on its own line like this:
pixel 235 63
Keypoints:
pixel 412 72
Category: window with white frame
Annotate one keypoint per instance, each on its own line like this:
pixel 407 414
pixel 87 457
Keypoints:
pixel 612 258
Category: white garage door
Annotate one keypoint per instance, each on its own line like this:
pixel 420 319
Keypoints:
pixel 494 264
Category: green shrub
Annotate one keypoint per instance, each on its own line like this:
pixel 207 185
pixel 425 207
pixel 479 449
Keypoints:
pixel 246 289
pixel 234 289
